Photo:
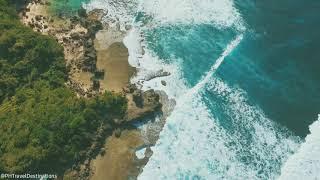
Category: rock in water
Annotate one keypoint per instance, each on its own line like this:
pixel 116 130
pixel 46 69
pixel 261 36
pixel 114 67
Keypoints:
pixel 156 74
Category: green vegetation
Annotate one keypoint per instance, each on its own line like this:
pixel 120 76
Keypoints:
pixel 44 126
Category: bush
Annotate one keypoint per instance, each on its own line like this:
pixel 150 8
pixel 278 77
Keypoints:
pixel 44 129
pixel 43 125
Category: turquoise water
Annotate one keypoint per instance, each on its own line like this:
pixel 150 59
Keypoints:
pixel 277 63
pixel 195 45
pixel 245 76
pixel 67 7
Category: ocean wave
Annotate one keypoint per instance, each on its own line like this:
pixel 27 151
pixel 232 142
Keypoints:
pixel 305 163
pixel 118 12
pixel 221 13
pixel 193 144
pixel 197 142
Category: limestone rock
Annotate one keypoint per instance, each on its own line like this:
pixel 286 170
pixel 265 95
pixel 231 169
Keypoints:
pixel 160 73
pixel 142 104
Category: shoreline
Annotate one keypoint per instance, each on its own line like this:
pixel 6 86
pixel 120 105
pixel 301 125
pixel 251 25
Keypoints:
pixel 98 61
pixel 122 151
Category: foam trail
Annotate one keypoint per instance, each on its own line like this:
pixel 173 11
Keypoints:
pixel 221 13
pixel 194 145
pixel 193 135
pixel 231 46
pixel 305 163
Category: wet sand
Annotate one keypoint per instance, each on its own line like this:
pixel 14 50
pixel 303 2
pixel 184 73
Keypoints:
pixel 112 58
pixel 119 161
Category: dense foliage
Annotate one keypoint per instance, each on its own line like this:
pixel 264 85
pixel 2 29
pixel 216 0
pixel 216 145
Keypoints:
pixel 44 128
pixel 26 56
pixel 43 125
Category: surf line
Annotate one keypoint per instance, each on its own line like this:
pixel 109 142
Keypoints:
pixel 206 78
pixel 230 47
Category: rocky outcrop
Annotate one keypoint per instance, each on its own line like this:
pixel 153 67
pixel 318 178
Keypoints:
pixel 92 26
pixel 76 34
pixel 141 104
pixel 164 83
pixel 153 75
pixel 78 87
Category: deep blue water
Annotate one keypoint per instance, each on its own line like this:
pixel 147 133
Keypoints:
pixel 196 45
pixel 255 107
pixel 277 62
pixel 240 119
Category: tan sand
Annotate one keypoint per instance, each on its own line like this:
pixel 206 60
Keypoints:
pixel 112 57
pixel 119 161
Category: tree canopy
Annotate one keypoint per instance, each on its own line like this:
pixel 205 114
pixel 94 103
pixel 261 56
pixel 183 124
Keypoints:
pixel 44 126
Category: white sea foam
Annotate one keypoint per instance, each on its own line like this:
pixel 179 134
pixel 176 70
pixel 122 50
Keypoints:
pixel 305 163
pixel 149 62
pixel 194 144
pixel 232 45
pixel 141 153
pixel 118 12
pixel 219 12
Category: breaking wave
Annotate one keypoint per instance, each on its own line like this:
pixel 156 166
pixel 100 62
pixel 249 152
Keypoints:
pixel 305 163
pixel 215 131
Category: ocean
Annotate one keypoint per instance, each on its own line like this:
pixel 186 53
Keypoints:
pixel 245 76
pixel 66 7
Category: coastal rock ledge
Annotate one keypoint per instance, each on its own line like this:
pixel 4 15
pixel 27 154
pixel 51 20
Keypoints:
pixel 97 61
pixel 141 104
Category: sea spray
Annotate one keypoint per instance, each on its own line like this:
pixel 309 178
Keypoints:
pixel 305 163
pixel 215 132
pixel 232 45
pixel 118 12
pixel 194 144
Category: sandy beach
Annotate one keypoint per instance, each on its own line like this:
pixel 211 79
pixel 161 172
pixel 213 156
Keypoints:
pixel 106 47
pixel 119 162
pixel 112 58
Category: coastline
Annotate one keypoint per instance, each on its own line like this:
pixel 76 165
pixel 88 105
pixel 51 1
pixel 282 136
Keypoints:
pixel 120 159
pixel 86 90
pixel 98 62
